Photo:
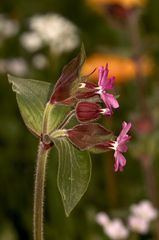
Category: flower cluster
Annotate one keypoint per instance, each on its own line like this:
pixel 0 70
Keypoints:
pixel 91 101
pixel 50 30
pixel 142 214
pixel 104 84
pixel 114 229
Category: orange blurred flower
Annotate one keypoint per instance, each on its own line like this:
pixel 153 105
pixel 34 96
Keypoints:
pixel 123 68
pixel 119 9
pixel 124 3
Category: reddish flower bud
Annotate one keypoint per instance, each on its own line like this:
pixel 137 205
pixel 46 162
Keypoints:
pixel 87 111
pixel 62 90
pixel 86 90
pixel 85 136
pixel 105 145
pixel 68 83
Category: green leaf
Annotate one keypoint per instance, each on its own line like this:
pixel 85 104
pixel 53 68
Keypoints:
pixel 32 96
pixel 56 116
pixel 74 173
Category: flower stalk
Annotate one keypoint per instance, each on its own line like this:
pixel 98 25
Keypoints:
pixel 39 189
pixel 39 192
pixel 48 121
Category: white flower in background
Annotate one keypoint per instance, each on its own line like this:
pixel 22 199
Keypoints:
pixel 16 66
pixel 39 61
pixel 31 41
pixel 102 219
pixel 139 221
pixel 137 224
pixel 116 230
pixel 8 27
pixel 141 216
pixel 57 32
pixel 2 66
pixel 144 210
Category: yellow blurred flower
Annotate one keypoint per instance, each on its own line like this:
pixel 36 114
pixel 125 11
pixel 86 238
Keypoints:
pixel 124 3
pixel 123 68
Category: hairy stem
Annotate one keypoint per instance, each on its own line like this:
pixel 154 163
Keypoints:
pixel 39 192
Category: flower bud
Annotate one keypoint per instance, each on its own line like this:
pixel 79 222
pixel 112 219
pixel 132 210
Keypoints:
pixel 85 136
pixel 87 111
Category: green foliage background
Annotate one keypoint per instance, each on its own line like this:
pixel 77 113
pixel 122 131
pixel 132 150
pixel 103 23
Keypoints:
pixel 108 191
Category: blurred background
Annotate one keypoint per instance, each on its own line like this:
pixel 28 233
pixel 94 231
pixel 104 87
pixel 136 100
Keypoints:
pixel 37 38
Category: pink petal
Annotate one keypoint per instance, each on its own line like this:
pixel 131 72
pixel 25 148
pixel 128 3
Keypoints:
pixel 104 82
pixel 104 77
pixel 120 161
pixel 109 100
pixel 122 148
pixel 123 140
pixel 109 83
pixel 125 128
pixel 100 75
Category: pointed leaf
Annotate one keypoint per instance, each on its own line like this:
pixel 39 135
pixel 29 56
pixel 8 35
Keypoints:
pixel 85 136
pixel 74 173
pixel 32 96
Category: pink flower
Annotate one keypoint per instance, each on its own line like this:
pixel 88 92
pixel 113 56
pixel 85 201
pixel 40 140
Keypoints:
pixel 104 84
pixel 120 147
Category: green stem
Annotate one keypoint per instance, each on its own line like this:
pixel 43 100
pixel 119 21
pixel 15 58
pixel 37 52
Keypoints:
pixel 67 119
pixel 46 116
pixel 39 192
pixel 65 122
